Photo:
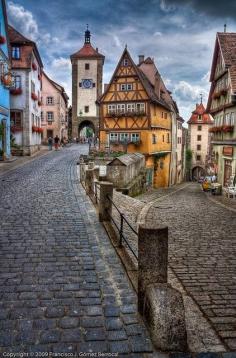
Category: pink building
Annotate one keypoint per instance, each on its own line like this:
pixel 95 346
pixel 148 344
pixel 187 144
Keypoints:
pixel 54 109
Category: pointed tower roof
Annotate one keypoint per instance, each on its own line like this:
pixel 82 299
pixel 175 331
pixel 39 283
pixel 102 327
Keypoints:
pixel 87 51
pixel 200 111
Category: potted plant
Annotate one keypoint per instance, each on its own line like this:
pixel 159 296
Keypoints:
pixel 34 96
pixel 2 40
pixel 16 91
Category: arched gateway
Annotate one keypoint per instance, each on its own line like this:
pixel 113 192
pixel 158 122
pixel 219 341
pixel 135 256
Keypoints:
pixel 87 129
pixel 198 172
pixel 87 70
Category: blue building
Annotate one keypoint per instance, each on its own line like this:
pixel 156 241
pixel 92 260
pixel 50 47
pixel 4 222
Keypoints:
pixel 5 83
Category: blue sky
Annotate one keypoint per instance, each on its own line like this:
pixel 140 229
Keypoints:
pixel 178 34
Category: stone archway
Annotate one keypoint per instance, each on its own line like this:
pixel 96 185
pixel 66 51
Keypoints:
pixel 198 172
pixel 86 129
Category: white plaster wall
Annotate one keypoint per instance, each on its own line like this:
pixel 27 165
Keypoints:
pixel 87 97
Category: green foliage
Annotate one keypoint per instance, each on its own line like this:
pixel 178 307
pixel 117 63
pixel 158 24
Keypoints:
pixel 1 130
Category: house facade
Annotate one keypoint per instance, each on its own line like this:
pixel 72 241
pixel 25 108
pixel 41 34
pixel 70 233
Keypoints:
pixel 199 126
pixel 87 73
pixel 5 83
pixel 135 117
pixel 179 150
pixel 26 93
pixel 54 116
pixel 222 106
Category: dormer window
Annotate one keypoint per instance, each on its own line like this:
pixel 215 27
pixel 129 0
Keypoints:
pixel 200 117
pixel 16 52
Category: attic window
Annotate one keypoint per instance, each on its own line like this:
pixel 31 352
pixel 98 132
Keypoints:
pixel 200 117
pixel 16 53
pixel 126 62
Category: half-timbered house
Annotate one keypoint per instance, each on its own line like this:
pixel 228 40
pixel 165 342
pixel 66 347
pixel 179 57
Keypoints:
pixel 135 117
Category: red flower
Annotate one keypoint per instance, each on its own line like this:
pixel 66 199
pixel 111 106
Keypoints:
pixel 34 66
pixel 16 91
pixel 40 130
pixel 2 40
pixel 15 129
pixel 34 96
pixel 34 129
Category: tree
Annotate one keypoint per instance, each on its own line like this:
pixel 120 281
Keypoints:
pixel 188 159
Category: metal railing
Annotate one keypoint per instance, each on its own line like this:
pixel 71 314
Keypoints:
pixel 120 226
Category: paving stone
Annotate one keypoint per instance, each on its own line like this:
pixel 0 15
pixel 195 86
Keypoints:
pixel 71 335
pixel 140 344
pixel 92 322
pixel 117 335
pixel 55 312
pixel 96 347
pixel 69 322
pixel 113 323
pixel 50 336
pixel 112 311
pixel 119 347
pixel 95 334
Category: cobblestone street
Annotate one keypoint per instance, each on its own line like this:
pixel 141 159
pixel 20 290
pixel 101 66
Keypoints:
pixel 62 287
pixel 202 251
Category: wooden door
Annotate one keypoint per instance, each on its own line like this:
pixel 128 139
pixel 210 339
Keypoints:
pixel 227 171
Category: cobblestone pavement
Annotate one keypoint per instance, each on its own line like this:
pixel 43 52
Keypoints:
pixel 62 287
pixel 202 252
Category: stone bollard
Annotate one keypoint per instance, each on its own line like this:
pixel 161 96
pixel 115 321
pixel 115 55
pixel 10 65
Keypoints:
pixel 89 181
pixel 90 165
pixel 152 259
pixel 105 205
pixel 161 305
pixel 82 172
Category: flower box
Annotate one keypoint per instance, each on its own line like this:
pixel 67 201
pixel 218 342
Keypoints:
pixel 40 130
pixel 34 96
pixel 16 91
pixel 34 66
pixel 2 40
pixel 6 80
pixel 223 92
pixel 15 129
pixel 228 129
pixel 34 129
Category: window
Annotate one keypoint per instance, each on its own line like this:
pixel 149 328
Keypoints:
pixel 162 114
pixel 140 107
pixel 199 137
pixel 49 101
pixel 124 137
pixel 199 147
pixel 113 137
pixel 163 138
pixel 227 119
pixel 111 108
pixel 86 109
pixel 16 53
pixel 87 66
pixel 126 62
pixel 131 107
pixel 50 116
pixel 17 82
pixel 154 139
pixel 135 137
pixel 120 108
pixel 165 115
pixel 199 128
pixel 16 119
pixel 200 117
pixel 42 116
pixel 168 137
pixel 32 118
pixel 32 87
pixel 126 86
pixel 232 119
pixel 198 157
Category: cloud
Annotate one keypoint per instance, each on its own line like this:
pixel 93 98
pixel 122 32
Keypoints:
pixel 209 7
pixel 61 64
pixel 24 21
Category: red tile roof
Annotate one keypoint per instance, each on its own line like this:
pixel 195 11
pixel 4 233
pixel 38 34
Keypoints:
pixel 200 110
pixel 87 51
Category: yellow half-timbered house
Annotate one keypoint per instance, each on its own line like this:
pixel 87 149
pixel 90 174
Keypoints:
pixel 136 117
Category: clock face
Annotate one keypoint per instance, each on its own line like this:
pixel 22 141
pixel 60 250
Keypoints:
pixel 87 83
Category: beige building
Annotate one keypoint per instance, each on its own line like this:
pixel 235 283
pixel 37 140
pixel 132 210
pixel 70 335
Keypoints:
pixel 200 140
pixel 222 106
pixel 54 109
pixel 179 150
pixel 87 73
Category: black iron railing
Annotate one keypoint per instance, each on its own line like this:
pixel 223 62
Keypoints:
pixel 120 226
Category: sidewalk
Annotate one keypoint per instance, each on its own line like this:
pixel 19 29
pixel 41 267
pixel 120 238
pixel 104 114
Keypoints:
pixel 227 203
pixel 20 161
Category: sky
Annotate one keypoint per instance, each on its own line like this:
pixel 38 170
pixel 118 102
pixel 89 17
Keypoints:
pixel 178 34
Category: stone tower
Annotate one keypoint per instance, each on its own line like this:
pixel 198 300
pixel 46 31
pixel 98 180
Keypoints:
pixel 87 72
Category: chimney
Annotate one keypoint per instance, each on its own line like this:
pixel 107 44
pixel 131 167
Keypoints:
pixel 141 59
pixel 157 85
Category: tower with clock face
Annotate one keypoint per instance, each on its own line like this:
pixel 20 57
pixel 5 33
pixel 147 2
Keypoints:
pixel 87 72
